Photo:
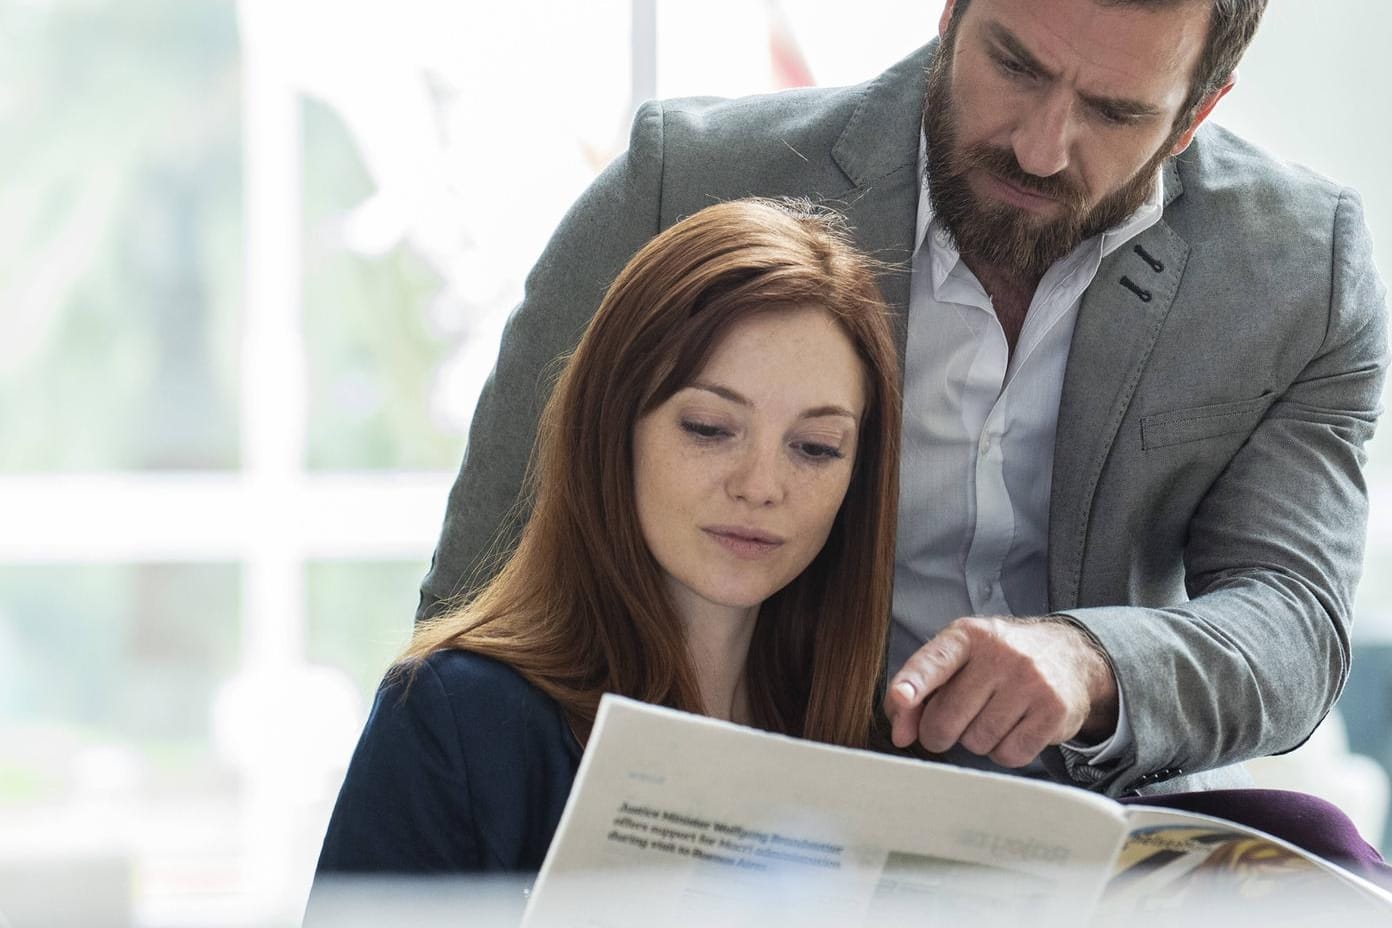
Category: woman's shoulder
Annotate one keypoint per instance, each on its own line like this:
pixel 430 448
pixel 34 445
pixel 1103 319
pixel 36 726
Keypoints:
pixel 486 699
pixel 469 675
pixel 463 765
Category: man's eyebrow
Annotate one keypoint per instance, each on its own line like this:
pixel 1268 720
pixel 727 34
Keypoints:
pixel 1120 106
pixel 1117 106
pixel 1007 40
pixel 814 413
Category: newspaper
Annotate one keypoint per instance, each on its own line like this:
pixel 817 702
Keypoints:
pixel 677 819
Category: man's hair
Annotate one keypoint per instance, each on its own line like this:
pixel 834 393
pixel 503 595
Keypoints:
pixel 1231 26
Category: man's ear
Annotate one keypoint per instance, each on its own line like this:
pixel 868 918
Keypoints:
pixel 1206 106
pixel 945 18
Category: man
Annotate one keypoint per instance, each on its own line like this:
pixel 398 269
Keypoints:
pixel 1141 363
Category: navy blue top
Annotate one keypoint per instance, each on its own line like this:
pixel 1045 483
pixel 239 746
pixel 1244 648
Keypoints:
pixel 464 769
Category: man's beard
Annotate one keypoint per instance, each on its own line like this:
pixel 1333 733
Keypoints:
pixel 999 234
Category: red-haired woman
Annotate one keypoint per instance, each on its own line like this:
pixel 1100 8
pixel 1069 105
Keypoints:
pixel 714 494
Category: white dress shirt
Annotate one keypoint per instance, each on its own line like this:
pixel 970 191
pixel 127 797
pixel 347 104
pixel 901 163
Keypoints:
pixel 977 455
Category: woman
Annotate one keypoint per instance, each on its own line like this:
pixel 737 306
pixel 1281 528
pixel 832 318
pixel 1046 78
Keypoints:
pixel 714 485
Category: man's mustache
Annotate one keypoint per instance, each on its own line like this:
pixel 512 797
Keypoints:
pixel 1002 163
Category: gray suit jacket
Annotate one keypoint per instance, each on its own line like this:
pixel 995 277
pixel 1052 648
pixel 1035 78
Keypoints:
pixel 1208 510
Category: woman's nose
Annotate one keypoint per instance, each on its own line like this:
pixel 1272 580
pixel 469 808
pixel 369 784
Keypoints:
pixel 758 477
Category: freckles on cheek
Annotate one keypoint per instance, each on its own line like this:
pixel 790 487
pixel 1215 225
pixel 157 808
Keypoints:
pixel 674 483
pixel 829 494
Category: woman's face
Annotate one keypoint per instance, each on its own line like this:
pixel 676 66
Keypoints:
pixel 739 476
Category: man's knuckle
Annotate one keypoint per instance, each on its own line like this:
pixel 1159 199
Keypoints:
pixel 1039 731
pixel 932 654
pixel 1025 742
pixel 1031 663
pixel 1051 705
pixel 1004 756
pixel 978 742
pixel 935 743
pixel 1013 755
pixel 970 629
pixel 931 730
pixel 938 731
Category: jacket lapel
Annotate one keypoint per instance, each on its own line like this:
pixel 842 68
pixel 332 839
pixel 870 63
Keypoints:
pixel 878 152
pixel 883 217
pixel 1118 322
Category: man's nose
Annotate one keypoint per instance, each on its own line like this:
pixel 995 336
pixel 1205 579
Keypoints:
pixel 758 478
pixel 1044 137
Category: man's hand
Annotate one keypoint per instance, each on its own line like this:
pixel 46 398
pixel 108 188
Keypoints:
pixel 1003 687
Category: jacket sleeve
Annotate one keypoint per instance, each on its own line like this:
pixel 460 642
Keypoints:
pixel 1255 660
pixel 604 228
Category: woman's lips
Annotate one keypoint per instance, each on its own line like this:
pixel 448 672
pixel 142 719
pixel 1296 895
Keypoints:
pixel 743 542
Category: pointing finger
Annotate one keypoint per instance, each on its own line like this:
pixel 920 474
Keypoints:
pixel 927 669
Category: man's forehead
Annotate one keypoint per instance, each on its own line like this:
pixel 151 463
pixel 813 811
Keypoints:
pixel 1146 53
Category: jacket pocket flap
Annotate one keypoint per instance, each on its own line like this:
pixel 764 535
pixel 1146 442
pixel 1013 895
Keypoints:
pixel 1199 422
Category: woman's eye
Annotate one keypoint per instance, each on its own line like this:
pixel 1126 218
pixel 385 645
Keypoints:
pixel 703 429
pixel 818 451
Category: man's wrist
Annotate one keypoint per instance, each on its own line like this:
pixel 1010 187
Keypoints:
pixel 1099 679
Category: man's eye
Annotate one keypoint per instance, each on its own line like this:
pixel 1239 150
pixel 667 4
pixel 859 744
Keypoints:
pixel 1012 67
pixel 1113 117
pixel 702 429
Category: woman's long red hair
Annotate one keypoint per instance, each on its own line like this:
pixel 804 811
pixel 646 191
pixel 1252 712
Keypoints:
pixel 580 607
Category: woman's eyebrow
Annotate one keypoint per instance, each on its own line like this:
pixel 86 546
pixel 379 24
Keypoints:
pixel 721 391
pixel 733 396
pixel 818 411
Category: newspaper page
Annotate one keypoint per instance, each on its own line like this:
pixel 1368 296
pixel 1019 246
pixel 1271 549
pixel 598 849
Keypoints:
pixel 1182 867
pixel 677 819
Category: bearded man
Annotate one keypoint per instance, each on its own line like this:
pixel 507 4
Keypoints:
pixel 1141 364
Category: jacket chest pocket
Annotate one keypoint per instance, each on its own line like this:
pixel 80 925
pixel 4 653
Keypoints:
pixel 1197 423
